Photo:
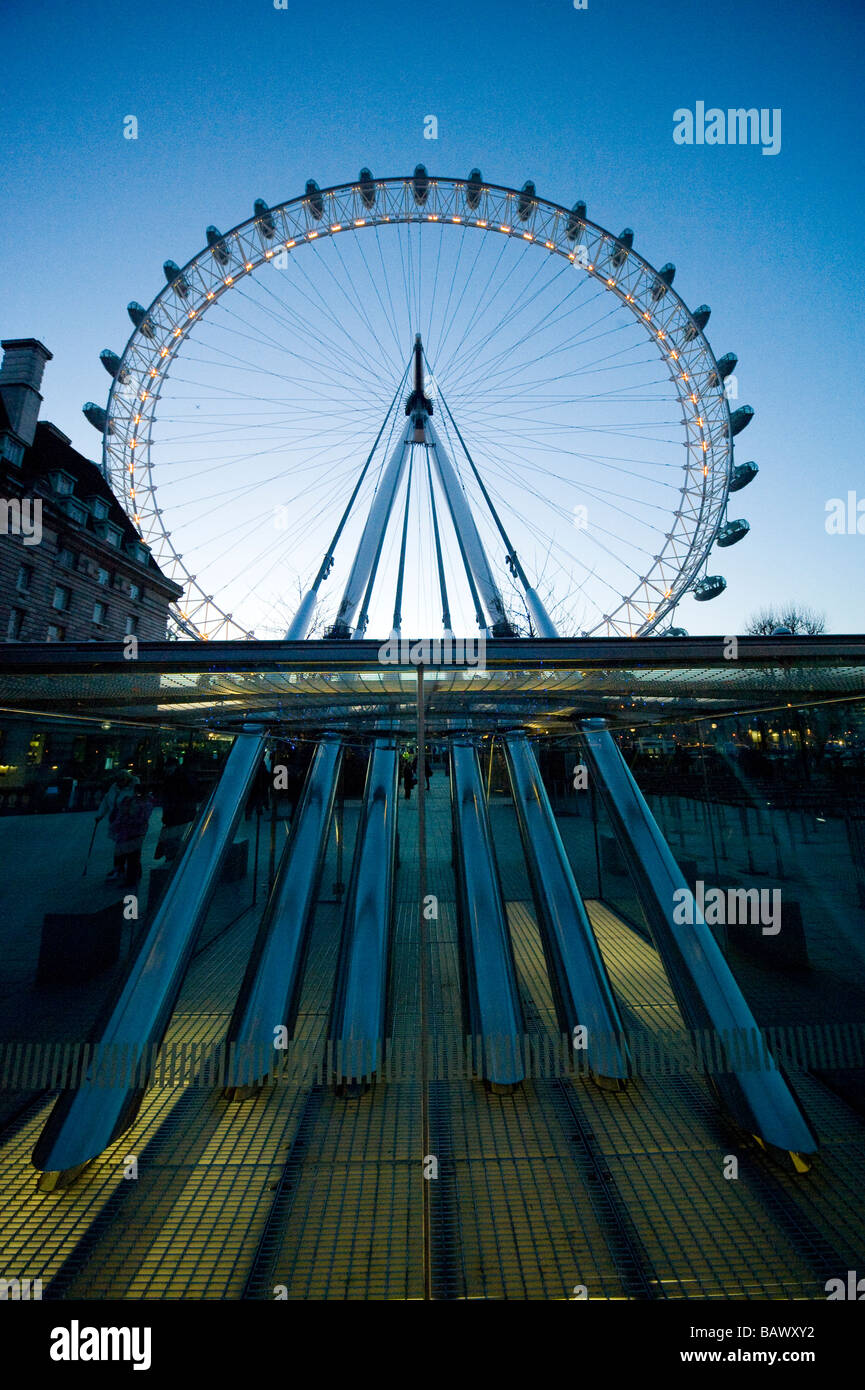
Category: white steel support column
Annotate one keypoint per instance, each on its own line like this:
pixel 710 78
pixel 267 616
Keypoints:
pixel 369 546
pixel 471 543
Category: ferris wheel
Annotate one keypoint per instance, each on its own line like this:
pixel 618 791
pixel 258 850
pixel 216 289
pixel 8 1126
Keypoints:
pixel 258 399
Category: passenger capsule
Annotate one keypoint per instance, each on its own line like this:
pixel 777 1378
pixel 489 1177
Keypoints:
pixel 111 363
pixel 732 532
pixel 314 199
pixel 710 587
pixel 216 242
pixel 367 188
pixel 700 318
pixel 676 632
pixel 474 189
pixel 97 417
pixel 420 185
pixel 264 218
pixel 666 275
pixel 626 241
pixel 576 218
pixel 527 201
pixel 726 365
pixel 176 280
pixel 743 474
pixel 138 314
pixel 740 418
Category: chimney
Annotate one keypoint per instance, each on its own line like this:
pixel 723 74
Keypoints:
pixel 20 378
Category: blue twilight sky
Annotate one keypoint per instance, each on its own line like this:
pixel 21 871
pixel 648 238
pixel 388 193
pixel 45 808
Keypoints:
pixel 238 100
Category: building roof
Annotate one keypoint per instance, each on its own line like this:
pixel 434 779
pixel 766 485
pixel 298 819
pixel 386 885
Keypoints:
pixel 52 452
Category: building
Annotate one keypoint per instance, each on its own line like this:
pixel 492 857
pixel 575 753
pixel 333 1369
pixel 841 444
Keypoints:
pixel 72 565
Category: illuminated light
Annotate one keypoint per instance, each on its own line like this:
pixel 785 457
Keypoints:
pixel 528 236
pixel 137 519
pixel 312 235
pixel 432 217
pixel 675 356
pixel 646 314
pixel 456 219
pixel 685 376
pixel 210 294
pixel 136 419
pixel 144 395
pixel 694 397
pixel 705 447
pixel 336 227
pixel 360 221
pixel 192 313
pixel 661 333
pixel 611 282
pixel 591 267
pixel 289 244
pixel 479 223
pixel 668 593
pixel 229 280
pixel 247 265
pixel 267 256
pixel 550 245
pixel 153 372
pixel 705 470
pixel 503 227
pixel 177 332
pixel 700 421
pixel 630 298
pixel 133 443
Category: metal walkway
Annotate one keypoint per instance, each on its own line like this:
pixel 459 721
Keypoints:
pixel 306 1194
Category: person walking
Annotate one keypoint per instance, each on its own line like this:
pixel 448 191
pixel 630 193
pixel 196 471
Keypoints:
pixel 121 787
pixel 427 769
pixel 128 824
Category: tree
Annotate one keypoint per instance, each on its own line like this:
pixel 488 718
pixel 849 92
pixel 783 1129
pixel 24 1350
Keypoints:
pixel 798 617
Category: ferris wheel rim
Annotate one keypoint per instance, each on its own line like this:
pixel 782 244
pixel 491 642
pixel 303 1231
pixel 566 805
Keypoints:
pixel 207 267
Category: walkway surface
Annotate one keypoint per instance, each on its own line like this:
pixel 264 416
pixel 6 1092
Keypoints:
pixel 306 1194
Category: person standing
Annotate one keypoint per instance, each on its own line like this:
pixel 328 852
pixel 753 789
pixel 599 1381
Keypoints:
pixel 408 776
pixel 427 769
pixel 179 807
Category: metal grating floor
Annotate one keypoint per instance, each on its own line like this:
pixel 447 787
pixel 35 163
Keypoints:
pixel 304 1194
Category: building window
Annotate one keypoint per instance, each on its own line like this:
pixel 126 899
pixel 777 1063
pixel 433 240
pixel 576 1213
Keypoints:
pixel 135 591
pixel 131 625
pixel 103 575
pixel 64 483
pixel 76 511
pixel 55 633
pixel 100 508
pixel 61 598
pixel 68 558
pixel 16 622
pixel 99 613
pixel 25 577
pixel 110 533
